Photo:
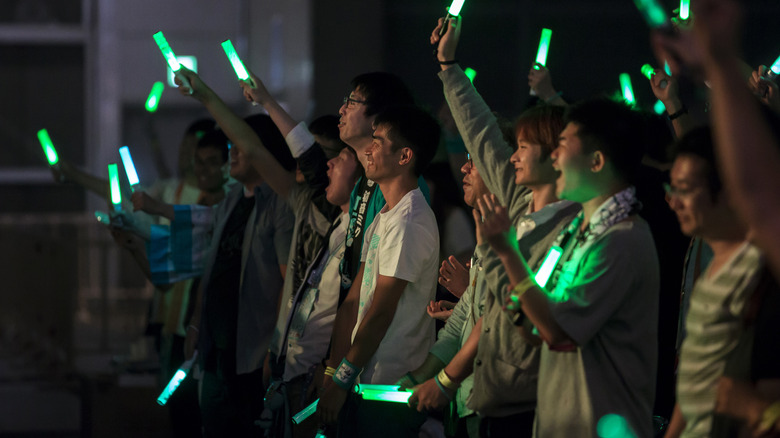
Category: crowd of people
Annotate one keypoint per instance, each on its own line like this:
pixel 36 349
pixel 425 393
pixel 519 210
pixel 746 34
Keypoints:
pixel 301 261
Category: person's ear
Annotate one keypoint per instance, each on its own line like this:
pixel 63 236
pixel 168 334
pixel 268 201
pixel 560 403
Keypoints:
pixel 598 161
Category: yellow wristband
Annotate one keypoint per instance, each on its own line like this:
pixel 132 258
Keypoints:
pixel 522 287
pixel 330 371
pixel 446 382
pixel 769 417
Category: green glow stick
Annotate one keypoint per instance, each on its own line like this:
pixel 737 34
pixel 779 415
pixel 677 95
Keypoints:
pixel 628 90
pixel 127 161
pixel 154 97
pixel 48 147
pixel 685 9
pixel 455 7
pixel 648 71
pixel 659 107
pixel 320 434
pixel 387 396
pixel 544 46
pixel 113 179
pixel 470 73
pixel 614 426
pixel 305 413
pixel 653 13
pixel 170 57
pixel 775 68
pixel 176 380
pixel 667 69
pixel 235 61
pixel 548 266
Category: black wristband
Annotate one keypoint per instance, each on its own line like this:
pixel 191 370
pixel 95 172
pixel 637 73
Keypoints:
pixel 679 113
pixel 454 61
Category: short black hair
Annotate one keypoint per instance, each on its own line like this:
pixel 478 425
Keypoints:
pixel 325 126
pixel 200 127
pixel 699 142
pixel 382 90
pixel 272 139
pixel 412 127
pixel 215 138
pixel 613 128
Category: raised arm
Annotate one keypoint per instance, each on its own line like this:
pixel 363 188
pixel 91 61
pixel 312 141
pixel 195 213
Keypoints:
pixel 478 126
pixel 670 97
pixel 241 135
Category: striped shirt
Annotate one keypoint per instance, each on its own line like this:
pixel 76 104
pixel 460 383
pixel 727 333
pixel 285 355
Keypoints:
pixel 713 326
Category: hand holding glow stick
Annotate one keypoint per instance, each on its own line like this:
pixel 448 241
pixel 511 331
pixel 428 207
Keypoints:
pixel 127 161
pixel 452 11
pixel 176 380
pixel 48 147
pixel 170 57
pixel 774 70
pixel 541 53
pixel 649 71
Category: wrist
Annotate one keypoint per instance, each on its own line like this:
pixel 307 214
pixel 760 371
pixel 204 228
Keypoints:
pixel 672 105
pixel 346 374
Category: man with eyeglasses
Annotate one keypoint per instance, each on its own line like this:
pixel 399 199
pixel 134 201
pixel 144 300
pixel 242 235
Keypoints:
pixel 721 297
pixel 371 94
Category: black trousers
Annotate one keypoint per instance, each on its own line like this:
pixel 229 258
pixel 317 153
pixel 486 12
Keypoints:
pixel 230 403
pixel 514 426
pixel 359 419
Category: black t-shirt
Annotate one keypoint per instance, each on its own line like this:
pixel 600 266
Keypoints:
pixel 222 290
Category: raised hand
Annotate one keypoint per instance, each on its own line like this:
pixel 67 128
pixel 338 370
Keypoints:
pixel 454 276
pixel 540 81
pixel 258 93
pixel 447 43
pixel 493 224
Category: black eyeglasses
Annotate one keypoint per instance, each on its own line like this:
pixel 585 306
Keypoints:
pixel 351 103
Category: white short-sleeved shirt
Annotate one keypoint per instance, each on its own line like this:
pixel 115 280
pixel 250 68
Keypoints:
pixel 403 243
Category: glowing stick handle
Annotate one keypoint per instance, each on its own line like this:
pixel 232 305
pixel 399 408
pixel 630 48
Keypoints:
pixel 48 147
pixel 170 57
pixel 154 97
pixel 305 413
pixel 127 161
pixel 176 380
pixel 113 179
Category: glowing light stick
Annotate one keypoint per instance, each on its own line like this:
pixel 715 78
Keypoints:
pixel 127 160
pixel 667 69
pixel 659 107
pixel 170 57
pixel 452 11
pixel 614 426
pixel 235 61
pixel 774 70
pixel 305 413
pixel 154 97
pixel 628 90
pixel 470 73
pixel 455 7
pixel 387 396
pixel 320 434
pixel 544 47
pixel 174 383
pixel 113 179
pixel 48 147
pixel 685 9
pixel 548 266
pixel 654 14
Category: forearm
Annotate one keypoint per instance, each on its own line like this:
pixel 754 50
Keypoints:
pixel 462 365
pixel 92 183
pixel 346 317
pixel 429 368
pixel 245 138
pixel 681 124
pixel 369 335
pixel 676 424
pixel 280 117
